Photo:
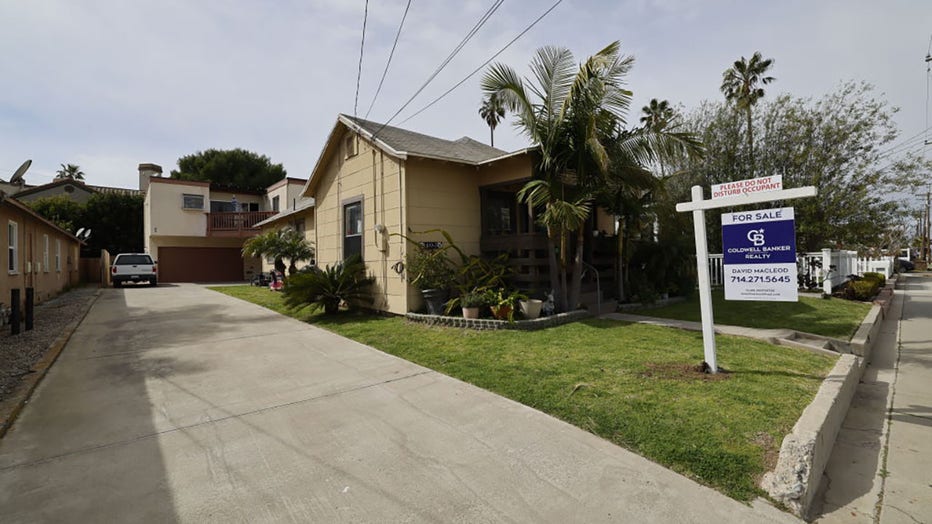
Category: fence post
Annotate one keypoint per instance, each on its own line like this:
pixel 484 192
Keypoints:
pixel 826 271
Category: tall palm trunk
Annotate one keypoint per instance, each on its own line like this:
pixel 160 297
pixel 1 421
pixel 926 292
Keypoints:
pixel 554 271
pixel 620 260
pixel 577 267
pixel 750 145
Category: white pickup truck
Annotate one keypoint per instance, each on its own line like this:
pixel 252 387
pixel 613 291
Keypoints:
pixel 133 267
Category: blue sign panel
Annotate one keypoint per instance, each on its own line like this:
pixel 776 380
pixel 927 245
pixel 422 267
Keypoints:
pixel 759 250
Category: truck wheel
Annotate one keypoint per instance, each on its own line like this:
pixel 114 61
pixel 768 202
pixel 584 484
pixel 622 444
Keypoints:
pixel 154 282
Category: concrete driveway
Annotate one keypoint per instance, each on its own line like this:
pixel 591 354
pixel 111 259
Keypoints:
pixel 181 404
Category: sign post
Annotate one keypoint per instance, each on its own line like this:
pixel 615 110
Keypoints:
pixel 698 205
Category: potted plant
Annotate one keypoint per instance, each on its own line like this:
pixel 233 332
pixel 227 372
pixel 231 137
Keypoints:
pixel 472 303
pixel 503 304
pixel 530 307
pixel 431 272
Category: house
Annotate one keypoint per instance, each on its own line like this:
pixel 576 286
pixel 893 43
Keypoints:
pixel 74 189
pixel 38 254
pixel 374 185
pixel 195 230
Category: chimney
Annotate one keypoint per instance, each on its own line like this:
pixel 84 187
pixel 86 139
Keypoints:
pixel 147 171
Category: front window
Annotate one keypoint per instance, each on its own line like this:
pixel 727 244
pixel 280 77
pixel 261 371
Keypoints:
pixel 12 235
pixel 57 255
pixel 192 202
pixel 352 229
pixel 275 204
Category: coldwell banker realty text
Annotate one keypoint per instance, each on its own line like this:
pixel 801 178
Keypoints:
pixel 760 255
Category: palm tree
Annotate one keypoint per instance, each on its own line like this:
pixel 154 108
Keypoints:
pixel 565 113
pixel 279 245
pixel 657 115
pixel 741 83
pixel 70 171
pixel 492 111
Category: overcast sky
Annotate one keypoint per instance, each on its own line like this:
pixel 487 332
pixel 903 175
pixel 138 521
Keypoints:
pixel 109 84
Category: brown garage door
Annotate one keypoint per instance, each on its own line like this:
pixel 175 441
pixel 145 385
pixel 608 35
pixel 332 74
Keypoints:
pixel 200 264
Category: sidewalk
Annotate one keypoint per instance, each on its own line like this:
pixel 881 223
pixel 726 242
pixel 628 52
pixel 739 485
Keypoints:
pixel 879 469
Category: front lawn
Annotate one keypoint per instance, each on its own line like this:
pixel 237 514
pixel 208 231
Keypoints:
pixel 832 317
pixel 632 384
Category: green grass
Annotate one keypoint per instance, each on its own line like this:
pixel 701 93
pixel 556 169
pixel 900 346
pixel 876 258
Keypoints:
pixel 829 317
pixel 623 382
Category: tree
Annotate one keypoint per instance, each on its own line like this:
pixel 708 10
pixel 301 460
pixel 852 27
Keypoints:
pixel 492 111
pixel 70 172
pixel 566 114
pixel 836 143
pixel 280 244
pixel 741 83
pixel 657 115
pixel 61 210
pixel 236 168
pixel 116 223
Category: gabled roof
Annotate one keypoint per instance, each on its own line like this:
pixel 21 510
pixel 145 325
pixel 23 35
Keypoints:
pixel 465 150
pixel 53 184
pixel 401 143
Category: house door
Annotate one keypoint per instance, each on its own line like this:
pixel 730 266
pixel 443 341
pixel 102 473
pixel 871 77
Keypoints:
pixel 352 229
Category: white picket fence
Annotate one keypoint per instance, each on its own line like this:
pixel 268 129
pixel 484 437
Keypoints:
pixel 829 268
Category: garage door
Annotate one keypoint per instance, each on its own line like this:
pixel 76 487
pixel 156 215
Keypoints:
pixel 200 264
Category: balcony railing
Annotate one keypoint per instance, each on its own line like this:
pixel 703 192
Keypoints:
pixel 236 224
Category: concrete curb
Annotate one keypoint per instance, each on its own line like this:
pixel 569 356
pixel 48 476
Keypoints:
pixel 11 407
pixel 805 452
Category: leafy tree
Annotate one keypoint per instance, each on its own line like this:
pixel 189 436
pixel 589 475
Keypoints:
pixel 63 211
pixel 836 143
pixel 741 83
pixel 492 112
pixel 657 115
pixel 315 288
pixel 115 220
pixel 69 171
pixel 116 223
pixel 237 168
pixel 280 244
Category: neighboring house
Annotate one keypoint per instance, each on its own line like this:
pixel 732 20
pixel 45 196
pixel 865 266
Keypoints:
pixel 74 189
pixel 195 230
pixel 38 254
pixel 300 218
pixel 373 183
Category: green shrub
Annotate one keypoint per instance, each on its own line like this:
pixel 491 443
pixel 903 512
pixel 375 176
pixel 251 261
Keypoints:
pixel 429 268
pixel 329 287
pixel 864 289
pixel 882 280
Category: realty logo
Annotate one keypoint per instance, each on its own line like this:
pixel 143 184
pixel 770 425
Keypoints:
pixel 756 236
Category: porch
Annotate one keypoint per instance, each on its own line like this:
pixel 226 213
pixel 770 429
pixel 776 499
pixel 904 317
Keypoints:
pixel 236 224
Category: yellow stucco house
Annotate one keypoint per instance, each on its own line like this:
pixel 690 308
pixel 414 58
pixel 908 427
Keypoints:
pixel 373 183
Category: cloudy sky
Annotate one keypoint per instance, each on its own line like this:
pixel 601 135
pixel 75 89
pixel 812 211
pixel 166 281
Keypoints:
pixel 108 84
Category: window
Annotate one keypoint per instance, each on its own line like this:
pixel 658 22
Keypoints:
pixel 192 201
pixel 12 258
pixel 132 260
pixel 352 229
pixel 274 203
pixel 349 145
pixel 45 253
pixel 57 255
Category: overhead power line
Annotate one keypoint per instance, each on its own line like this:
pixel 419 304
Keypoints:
pixel 472 32
pixel 905 142
pixel 389 62
pixel 493 57
pixel 362 46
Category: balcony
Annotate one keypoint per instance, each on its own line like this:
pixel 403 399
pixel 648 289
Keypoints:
pixel 238 224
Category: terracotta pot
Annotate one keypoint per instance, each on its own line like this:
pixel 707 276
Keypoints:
pixel 470 312
pixel 501 312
